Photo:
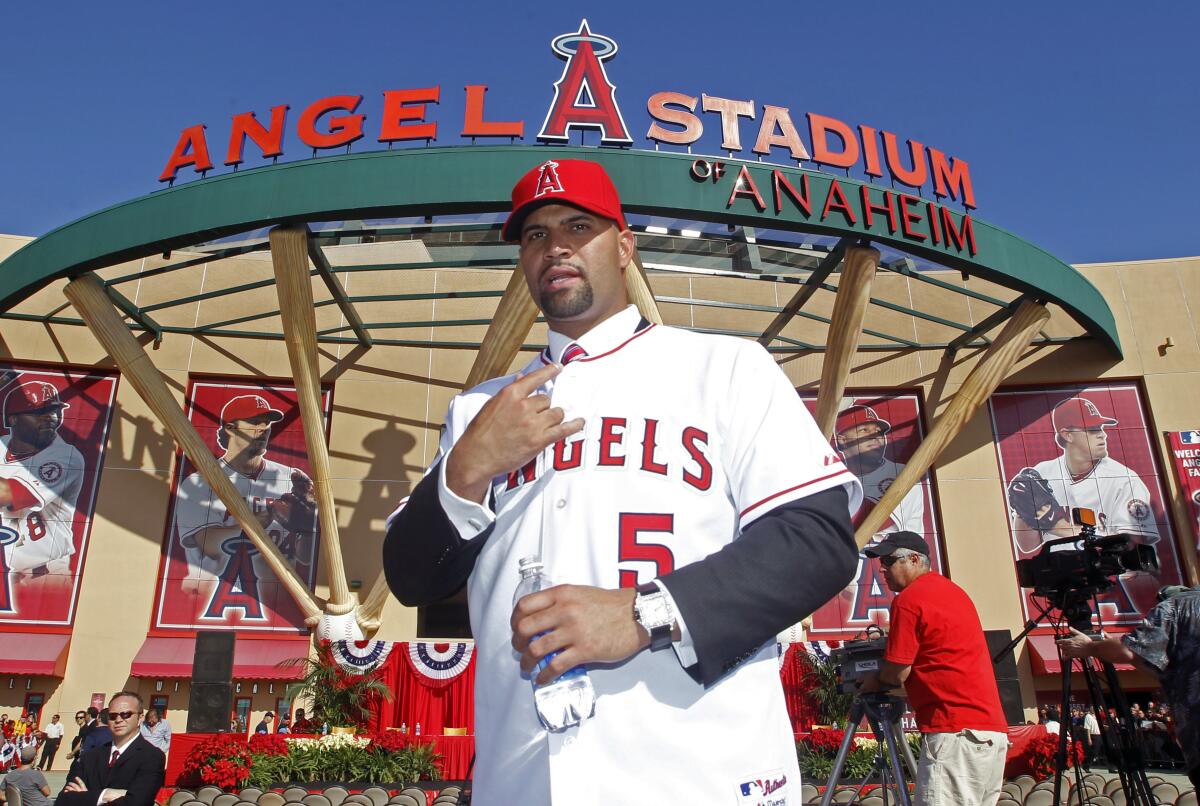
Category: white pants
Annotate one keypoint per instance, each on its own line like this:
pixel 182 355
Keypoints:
pixel 961 769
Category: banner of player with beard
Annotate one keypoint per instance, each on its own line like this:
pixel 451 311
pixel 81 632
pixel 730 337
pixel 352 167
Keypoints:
pixel 55 427
pixel 876 434
pixel 1090 447
pixel 211 575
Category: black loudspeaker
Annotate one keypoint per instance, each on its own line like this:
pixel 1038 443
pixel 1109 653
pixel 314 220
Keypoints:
pixel 1006 676
pixel 209 707
pixel 213 661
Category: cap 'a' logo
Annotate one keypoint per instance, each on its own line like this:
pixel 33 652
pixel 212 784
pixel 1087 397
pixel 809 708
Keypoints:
pixel 1091 407
pixel 50 472
pixel 548 181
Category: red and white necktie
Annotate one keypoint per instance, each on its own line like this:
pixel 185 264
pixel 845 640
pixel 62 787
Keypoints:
pixel 573 352
pixel 116 755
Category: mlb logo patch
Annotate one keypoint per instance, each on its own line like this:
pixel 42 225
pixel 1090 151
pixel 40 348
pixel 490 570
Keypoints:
pixel 1190 437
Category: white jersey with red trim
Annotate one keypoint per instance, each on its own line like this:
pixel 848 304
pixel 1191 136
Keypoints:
pixel 37 532
pixel 198 508
pixel 1118 496
pixel 909 516
pixel 688 439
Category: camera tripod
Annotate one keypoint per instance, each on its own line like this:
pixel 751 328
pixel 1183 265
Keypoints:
pixel 882 712
pixel 1118 736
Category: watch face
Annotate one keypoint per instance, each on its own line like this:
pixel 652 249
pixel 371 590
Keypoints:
pixel 653 611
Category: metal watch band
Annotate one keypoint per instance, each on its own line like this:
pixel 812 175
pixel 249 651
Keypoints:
pixel 660 637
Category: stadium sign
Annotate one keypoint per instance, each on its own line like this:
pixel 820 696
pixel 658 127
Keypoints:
pixel 585 99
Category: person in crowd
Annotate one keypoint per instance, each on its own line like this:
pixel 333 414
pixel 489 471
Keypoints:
pixel 1167 644
pixel 99 735
pixel 82 727
pixel 28 780
pixel 265 725
pixel 54 735
pixel 937 651
pixel 302 724
pixel 285 724
pixel 1052 723
pixel 157 730
pixel 1091 732
pixel 127 769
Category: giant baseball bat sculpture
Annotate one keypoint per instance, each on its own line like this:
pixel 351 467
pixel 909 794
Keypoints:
pixel 293 284
pixel 845 328
pixel 87 295
pixel 992 368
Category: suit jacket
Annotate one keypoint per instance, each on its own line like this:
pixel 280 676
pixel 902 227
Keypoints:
pixel 140 771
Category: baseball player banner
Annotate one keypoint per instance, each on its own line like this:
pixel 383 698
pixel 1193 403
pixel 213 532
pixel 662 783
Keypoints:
pixel 876 435
pixel 1185 448
pixel 1084 446
pixel 211 575
pixel 55 429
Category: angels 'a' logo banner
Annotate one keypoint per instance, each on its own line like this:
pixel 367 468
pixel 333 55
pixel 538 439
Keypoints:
pixel 211 576
pixel 439 664
pixel 1084 446
pixel 876 434
pixel 55 426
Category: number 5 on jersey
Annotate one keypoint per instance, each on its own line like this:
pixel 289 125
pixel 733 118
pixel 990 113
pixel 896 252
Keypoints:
pixel 634 546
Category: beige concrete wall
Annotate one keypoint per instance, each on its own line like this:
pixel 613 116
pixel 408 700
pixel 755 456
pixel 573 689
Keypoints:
pixel 389 401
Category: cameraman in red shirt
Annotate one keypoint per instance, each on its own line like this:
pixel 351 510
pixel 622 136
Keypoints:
pixel 937 651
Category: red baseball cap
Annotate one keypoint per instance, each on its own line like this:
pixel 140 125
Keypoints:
pixel 859 415
pixel 245 407
pixel 578 183
pixel 1078 412
pixel 32 396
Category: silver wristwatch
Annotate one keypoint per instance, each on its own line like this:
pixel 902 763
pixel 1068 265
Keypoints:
pixel 652 609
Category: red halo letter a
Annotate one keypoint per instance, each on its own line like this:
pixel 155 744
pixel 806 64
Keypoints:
pixel 583 96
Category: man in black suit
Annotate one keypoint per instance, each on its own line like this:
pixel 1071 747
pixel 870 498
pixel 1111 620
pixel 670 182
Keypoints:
pixel 126 772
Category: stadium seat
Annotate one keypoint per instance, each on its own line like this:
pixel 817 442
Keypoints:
pixel 270 799
pixel 208 793
pixel 336 794
pixel 294 794
pixel 315 799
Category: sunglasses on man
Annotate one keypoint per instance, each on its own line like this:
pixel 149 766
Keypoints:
pixel 121 715
pixel 892 559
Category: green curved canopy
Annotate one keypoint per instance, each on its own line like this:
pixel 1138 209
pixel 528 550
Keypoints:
pixel 441 181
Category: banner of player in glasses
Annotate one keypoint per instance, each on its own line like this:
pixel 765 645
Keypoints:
pixel 211 575
pixel 1084 446
pixel 55 427
pixel 876 434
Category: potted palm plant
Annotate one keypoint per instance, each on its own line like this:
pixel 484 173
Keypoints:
pixel 339 698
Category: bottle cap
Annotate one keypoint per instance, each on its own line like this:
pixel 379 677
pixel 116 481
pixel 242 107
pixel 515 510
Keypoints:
pixel 530 564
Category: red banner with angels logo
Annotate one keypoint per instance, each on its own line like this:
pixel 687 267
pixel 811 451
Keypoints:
pixel 211 575
pixel 55 427
pixel 876 434
pixel 1084 446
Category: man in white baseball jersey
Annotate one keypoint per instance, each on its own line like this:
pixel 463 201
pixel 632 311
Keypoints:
pixel 627 453
pixel 40 479
pixel 1084 475
pixel 280 496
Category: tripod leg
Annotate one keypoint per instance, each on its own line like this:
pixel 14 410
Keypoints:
pixel 856 717
pixel 894 762
pixel 1064 717
pixel 1132 758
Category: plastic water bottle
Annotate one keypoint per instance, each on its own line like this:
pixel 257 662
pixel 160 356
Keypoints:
pixel 568 700
pixel 403 728
pixel 418 729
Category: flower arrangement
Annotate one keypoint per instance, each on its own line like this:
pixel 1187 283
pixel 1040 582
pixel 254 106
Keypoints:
pixel 231 762
pixel 267 744
pixel 222 761
pixel 1040 753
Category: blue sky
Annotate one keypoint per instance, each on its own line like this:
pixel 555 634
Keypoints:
pixel 1079 120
